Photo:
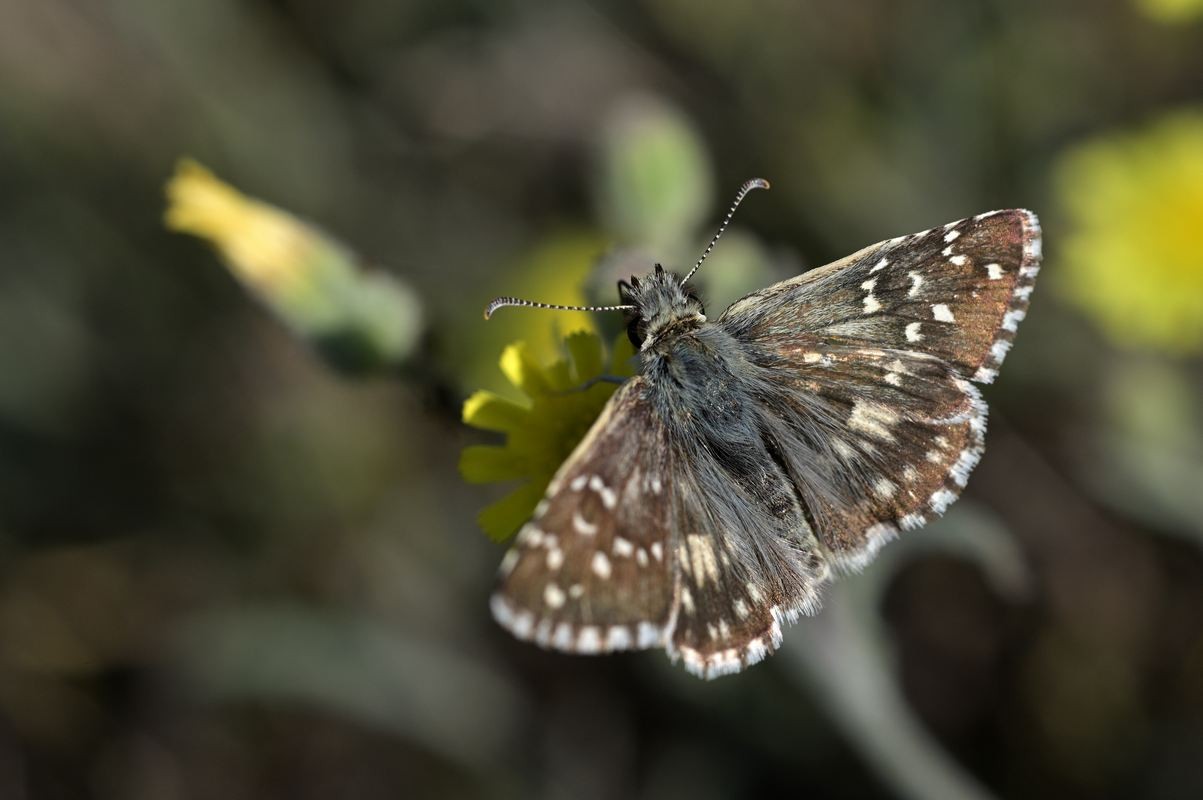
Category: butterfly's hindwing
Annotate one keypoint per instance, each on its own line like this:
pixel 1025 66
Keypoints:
pixel 878 441
pixel 746 559
pixel 592 571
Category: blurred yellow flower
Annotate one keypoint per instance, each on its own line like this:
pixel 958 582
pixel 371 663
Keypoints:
pixel 1133 253
pixel 543 429
pixel 1171 10
pixel 263 246
pixel 358 319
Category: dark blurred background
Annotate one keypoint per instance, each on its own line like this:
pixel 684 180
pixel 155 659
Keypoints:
pixel 231 567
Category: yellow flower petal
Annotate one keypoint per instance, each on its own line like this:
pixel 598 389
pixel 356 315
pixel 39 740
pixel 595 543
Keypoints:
pixel 540 437
pixel 488 464
pixel 491 412
pixel 263 245
pixel 587 354
pixel 523 371
pixel 502 519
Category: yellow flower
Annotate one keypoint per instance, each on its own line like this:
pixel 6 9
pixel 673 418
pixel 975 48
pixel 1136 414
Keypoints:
pixel 1171 10
pixel 1133 256
pixel 356 318
pixel 263 246
pixel 543 429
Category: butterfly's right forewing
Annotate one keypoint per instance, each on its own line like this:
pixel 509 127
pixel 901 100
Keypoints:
pixel 592 571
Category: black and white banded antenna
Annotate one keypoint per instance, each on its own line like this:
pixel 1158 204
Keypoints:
pixel 502 302
pixel 755 183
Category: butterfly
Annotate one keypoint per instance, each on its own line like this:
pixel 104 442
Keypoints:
pixel 757 455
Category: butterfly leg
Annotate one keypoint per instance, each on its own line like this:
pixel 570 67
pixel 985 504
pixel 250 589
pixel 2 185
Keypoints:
pixel 589 384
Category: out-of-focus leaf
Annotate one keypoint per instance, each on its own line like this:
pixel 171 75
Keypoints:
pixel 655 184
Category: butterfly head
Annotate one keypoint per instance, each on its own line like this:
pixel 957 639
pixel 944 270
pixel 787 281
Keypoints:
pixel 658 303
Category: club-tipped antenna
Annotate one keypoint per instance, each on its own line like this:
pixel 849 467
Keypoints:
pixel 755 183
pixel 502 302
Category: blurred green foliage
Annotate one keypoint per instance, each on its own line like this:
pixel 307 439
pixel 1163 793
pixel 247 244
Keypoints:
pixel 231 572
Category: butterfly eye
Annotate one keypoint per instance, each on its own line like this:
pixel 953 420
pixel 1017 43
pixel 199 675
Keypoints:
pixel 636 332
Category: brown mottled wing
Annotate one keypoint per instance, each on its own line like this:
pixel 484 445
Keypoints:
pixel 735 588
pixel 592 571
pixel 875 354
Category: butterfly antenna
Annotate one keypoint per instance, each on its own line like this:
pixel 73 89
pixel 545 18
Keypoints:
pixel 502 302
pixel 755 183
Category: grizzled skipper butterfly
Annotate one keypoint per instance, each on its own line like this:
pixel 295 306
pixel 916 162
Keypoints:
pixel 756 454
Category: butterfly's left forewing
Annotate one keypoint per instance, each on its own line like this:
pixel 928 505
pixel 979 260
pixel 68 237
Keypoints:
pixel 592 572
pixel 957 292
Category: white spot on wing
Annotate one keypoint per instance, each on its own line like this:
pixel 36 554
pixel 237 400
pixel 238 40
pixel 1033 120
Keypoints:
pixel 941 313
pixel 985 375
pixel 916 282
pixel 601 565
pixel 873 419
pixel 843 449
pixel 530 536
pixel 553 595
pixel 871 304
pixel 582 525
pixel 1012 319
pixel 912 332
pixel 623 547
pixel 508 561
pixel 951 236
pixel 941 500
pixel 562 638
pixel 589 639
pixel 647 635
pixel 704 563
pixel 880 265
pixel 959 260
pixel 994 271
pixel 618 638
